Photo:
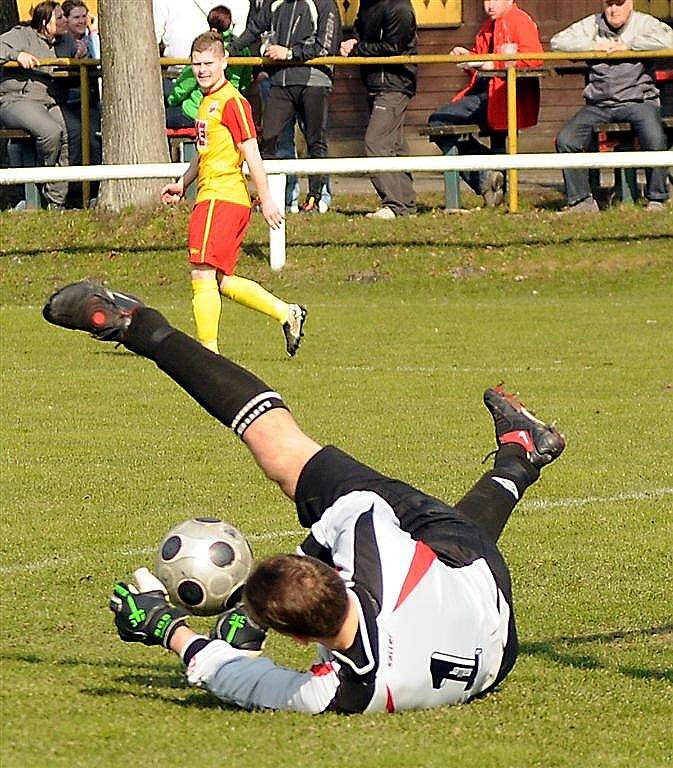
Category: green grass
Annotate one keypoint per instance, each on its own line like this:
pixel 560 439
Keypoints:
pixel 408 323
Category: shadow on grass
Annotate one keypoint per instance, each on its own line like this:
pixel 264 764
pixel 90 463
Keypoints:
pixel 152 692
pixel 561 650
pixel 259 251
pixel 113 664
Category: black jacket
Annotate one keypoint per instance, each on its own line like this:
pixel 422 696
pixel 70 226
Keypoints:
pixel 310 28
pixel 386 28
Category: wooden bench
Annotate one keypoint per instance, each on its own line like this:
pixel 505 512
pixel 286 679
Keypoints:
pixel 620 137
pixel 182 146
pixel 21 151
pixel 451 135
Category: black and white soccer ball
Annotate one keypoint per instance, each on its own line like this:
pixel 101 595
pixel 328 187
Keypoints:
pixel 203 563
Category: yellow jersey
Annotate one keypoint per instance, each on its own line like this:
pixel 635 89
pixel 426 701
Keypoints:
pixel 224 120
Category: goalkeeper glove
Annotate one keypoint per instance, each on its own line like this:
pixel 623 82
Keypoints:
pixel 240 631
pixel 144 617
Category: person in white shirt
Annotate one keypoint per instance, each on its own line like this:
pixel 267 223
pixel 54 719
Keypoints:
pixel 178 22
pixel 408 598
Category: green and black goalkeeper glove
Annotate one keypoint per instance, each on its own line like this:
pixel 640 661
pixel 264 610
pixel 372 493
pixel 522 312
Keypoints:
pixel 144 617
pixel 240 631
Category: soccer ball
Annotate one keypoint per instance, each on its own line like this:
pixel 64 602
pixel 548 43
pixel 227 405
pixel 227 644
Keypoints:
pixel 202 562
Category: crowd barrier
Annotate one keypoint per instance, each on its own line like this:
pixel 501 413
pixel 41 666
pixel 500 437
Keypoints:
pixel 549 58
pixel 278 170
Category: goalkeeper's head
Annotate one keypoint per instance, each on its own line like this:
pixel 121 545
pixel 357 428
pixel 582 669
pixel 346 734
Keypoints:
pixel 298 596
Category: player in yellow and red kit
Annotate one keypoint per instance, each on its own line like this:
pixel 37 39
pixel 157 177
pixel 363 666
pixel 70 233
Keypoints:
pixel 225 136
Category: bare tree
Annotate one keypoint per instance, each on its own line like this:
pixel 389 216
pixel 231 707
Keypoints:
pixel 133 115
pixel 9 15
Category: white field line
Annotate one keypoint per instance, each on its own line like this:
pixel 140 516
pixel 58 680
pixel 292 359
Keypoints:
pixel 57 560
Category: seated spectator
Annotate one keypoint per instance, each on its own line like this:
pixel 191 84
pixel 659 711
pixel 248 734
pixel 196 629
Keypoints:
pixel 616 91
pixel 484 100
pixel 82 26
pixel 31 98
pixel 186 96
pixel 84 29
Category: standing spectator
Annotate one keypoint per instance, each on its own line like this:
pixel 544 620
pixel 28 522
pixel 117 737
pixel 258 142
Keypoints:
pixel 387 28
pixel 616 91
pixel 32 99
pixel 82 26
pixel 185 98
pixel 296 30
pixel 178 22
pixel 225 136
pixel 484 100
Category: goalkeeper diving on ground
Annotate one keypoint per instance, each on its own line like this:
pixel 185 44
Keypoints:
pixel 408 598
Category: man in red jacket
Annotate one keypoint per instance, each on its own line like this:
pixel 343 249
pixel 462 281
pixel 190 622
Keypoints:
pixel 484 100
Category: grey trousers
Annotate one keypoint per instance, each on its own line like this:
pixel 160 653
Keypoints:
pixel 385 138
pixel 47 123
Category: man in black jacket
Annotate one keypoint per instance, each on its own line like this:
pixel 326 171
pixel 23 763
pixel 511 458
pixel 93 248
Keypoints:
pixel 387 28
pixel 291 31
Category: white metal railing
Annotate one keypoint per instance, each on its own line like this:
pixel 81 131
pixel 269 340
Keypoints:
pixel 278 170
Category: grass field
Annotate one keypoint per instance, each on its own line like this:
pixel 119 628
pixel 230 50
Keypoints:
pixel 408 323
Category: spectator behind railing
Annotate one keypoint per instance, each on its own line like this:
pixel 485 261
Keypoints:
pixel 31 98
pixel 484 101
pixel 296 31
pixel 185 98
pixel 616 91
pixel 82 26
pixel 387 28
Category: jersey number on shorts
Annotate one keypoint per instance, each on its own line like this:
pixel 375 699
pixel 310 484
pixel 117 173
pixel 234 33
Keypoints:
pixel 444 666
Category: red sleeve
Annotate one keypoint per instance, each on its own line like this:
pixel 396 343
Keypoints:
pixel 482 42
pixel 528 39
pixel 237 117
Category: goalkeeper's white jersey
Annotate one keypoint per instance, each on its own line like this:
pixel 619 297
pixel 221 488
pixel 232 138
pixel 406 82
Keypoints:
pixel 429 633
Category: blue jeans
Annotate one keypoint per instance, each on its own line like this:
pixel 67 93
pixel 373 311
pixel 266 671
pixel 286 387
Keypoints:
pixel 470 109
pixel 577 136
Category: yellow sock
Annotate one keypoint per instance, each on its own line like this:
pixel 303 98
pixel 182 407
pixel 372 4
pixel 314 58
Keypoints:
pixel 250 294
pixel 206 305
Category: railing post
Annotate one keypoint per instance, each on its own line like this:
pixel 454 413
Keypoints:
pixel 512 139
pixel 277 183
pixel 86 128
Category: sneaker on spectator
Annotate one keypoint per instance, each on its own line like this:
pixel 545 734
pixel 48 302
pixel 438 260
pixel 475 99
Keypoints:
pixel 588 205
pixel 294 208
pixel 493 192
pixel 22 205
pixel 322 206
pixel 382 213
pixel 655 205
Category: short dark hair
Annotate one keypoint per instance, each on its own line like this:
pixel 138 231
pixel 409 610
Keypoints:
pixel 219 18
pixel 41 14
pixel 297 595
pixel 68 6
pixel 206 41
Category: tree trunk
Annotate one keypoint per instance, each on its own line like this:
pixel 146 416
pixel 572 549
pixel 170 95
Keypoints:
pixel 133 115
pixel 9 15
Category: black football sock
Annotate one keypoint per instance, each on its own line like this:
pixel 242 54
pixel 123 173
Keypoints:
pixel 490 502
pixel 230 393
